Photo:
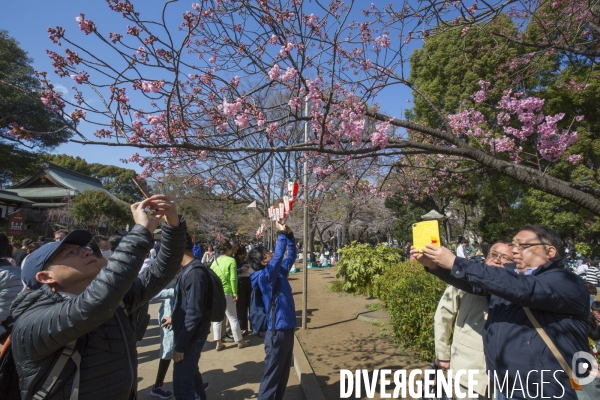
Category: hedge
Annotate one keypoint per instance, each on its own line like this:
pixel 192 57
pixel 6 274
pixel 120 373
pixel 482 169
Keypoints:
pixel 409 294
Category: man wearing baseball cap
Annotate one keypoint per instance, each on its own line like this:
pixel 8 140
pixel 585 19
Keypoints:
pixel 70 297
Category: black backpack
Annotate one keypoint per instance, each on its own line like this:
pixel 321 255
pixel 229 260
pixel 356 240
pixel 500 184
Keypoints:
pixel 140 320
pixel 9 378
pixel 259 315
pixel 216 295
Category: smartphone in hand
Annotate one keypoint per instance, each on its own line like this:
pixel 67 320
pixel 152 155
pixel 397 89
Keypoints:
pixel 425 232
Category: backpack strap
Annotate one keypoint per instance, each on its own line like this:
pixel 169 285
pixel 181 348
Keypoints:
pixel 68 351
pixel 180 280
pixel 565 366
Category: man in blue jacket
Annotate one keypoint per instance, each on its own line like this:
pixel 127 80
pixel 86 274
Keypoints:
pixel 556 297
pixel 271 277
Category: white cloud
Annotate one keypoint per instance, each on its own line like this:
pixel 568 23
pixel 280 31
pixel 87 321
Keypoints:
pixel 61 89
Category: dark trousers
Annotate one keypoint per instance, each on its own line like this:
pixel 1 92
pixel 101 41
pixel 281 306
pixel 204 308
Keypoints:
pixel 242 305
pixel 187 380
pixel 279 350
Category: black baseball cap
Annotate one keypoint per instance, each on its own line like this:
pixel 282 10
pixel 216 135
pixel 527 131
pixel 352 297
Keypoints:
pixel 35 261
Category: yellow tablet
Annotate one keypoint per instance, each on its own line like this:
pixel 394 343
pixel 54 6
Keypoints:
pixel 426 232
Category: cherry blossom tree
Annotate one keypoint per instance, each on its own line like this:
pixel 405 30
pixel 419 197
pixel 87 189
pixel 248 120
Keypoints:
pixel 203 90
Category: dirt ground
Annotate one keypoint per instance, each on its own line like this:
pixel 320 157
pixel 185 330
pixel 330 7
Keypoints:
pixel 336 339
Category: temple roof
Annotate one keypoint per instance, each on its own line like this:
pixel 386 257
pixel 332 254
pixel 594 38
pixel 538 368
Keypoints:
pixel 10 197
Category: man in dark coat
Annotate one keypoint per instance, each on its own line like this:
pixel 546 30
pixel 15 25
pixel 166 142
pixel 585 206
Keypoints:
pixel 556 297
pixel 191 325
pixel 71 298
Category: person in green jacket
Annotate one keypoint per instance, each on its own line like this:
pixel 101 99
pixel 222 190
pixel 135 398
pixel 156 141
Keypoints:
pixel 226 268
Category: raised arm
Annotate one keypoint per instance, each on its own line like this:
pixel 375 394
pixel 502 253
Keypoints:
pixel 272 268
pixel 162 271
pixel 292 251
pixel 556 290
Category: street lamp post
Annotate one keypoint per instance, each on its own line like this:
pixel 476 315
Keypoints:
pixel 305 230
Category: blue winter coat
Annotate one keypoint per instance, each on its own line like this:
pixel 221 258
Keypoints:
pixel 558 299
pixel 278 269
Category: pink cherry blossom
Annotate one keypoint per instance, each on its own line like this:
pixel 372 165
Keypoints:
pixel 77 115
pixel 152 86
pixel 275 72
pixel 379 137
pixel 80 77
pixel 231 109
pixel 242 121
pixel 382 42
pixel 235 82
pixel 290 74
pixel 85 25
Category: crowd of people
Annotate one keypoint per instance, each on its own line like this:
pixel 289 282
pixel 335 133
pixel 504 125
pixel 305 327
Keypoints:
pixel 76 307
pixel 518 314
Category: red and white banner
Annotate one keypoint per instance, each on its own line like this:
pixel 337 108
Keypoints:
pixel 292 189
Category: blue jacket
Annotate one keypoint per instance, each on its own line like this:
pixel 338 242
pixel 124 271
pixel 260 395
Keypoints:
pixel 278 269
pixel 558 299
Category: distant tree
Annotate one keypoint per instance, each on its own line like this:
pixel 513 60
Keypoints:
pixel 118 181
pixel 76 164
pixel 95 209
pixel 20 105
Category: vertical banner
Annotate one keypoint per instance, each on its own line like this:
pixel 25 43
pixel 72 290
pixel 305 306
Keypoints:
pixel 281 211
pixel 277 214
pixel 292 189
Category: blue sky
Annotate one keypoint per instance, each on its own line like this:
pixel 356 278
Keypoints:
pixel 27 21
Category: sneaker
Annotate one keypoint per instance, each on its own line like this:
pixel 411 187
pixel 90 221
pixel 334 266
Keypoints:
pixel 161 392
pixel 227 339
pixel 243 344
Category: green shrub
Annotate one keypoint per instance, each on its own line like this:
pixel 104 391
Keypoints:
pixel 336 286
pixel 411 296
pixel 360 264
pixel 583 249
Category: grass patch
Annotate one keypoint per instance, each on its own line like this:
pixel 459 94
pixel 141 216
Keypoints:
pixel 336 286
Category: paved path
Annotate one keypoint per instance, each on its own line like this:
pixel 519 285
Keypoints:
pixel 233 374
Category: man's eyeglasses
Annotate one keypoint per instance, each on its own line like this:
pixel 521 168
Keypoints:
pixel 503 257
pixel 524 246
pixel 75 251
